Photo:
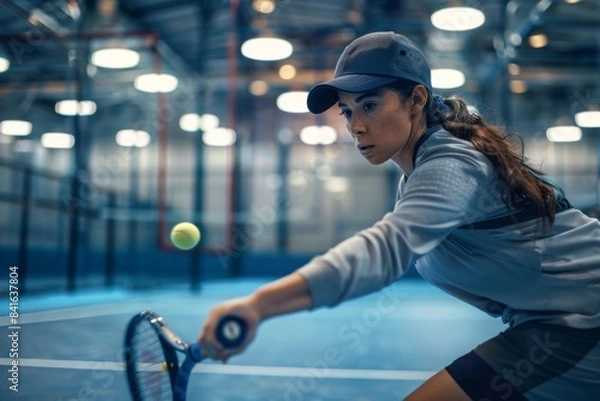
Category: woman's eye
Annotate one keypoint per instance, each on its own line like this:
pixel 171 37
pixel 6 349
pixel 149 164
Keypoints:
pixel 346 113
pixel 369 106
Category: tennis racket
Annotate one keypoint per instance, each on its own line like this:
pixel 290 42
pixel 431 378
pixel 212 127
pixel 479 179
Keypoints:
pixel 151 355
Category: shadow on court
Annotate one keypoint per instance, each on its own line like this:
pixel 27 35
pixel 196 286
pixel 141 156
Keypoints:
pixel 378 347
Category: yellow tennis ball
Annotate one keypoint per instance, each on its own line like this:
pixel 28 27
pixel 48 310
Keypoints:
pixel 185 236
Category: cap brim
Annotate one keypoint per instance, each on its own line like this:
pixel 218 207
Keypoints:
pixel 322 96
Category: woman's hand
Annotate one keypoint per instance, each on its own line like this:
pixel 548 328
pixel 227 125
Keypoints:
pixel 285 295
pixel 244 308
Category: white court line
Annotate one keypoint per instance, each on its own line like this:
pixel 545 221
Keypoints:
pixel 78 312
pixel 87 311
pixel 241 370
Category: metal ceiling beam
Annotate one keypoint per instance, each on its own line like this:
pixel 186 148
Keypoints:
pixel 41 21
pixel 504 49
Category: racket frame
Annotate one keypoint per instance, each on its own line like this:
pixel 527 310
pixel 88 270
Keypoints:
pixel 229 336
pixel 170 343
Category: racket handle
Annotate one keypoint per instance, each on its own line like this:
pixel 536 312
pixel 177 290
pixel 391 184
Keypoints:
pixel 231 331
pixel 195 352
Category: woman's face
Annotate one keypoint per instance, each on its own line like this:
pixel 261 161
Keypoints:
pixel 383 125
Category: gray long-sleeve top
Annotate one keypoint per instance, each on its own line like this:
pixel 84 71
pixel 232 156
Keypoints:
pixel 513 271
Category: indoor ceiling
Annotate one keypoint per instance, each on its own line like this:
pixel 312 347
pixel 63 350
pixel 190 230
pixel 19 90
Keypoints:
pixel 46 42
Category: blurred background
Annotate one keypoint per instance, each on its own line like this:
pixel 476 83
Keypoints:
pixel 121 118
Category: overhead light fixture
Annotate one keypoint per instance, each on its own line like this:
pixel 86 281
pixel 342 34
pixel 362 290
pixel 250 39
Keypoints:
pixel 518 86
pixel 588 119
pixel 563 133
pixel 72 107
pixel 318 135
pixel 15 127
pixel 267 49
pixel 57 140
pixel 4 64
pixel 447 78
pixel 219 137
pixel 515 39
pixel 131 138
pixel 189 122
pixel 457 19
pixel 208 121
pixel 293 102
pixel 337 185
pixel 514 69
pixel 193 122
pixel 264 6
pixel 115 58
pixel 287 72
pixel 538 41
pixel 155 83
pixel 259 87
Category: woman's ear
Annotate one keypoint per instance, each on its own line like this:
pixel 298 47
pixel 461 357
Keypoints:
pixel 418 99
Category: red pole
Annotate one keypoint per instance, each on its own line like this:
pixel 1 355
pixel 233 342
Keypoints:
pixel 231 119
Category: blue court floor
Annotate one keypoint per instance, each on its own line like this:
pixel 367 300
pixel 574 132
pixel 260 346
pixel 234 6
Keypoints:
pixel 379 347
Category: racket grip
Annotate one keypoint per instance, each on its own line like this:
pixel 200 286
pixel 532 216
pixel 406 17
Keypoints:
pixel 195 352
pixel 231 331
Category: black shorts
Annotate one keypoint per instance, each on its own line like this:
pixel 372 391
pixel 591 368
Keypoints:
pixel 534 362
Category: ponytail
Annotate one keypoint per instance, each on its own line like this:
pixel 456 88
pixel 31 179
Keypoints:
pixel 524 185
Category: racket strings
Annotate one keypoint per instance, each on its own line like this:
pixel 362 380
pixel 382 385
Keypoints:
pixel 152 377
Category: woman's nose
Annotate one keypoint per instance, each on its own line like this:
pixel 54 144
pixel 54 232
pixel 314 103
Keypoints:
pixel 356 126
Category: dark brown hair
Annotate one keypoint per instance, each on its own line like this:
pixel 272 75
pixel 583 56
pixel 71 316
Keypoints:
pixel 524 184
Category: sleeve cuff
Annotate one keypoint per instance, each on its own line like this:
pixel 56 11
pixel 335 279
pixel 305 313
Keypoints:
pixel 323 283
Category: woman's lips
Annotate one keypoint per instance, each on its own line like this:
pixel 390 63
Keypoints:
pixel 365 149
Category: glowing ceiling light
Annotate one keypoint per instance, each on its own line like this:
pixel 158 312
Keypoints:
pixel 193 122
pixel 189 122
pixel 264 6
pixel 4 64
pixel 259 87
pixel 15 127
pixel 337 185
pixel 457 19
pixel 515 39
pixel 588 119
pixel 73 107
pixel 563 133
pixel 287 72
pixel 219 137
pixel 155 83
pixel 293 102
pixel 447 78
pixel 318 135
pixel 115 58
pixel 57 140
pixel 538 41
pixel 518 86
pixel 208 121
pixel 267 49
pixel 132 138
pixel 514 69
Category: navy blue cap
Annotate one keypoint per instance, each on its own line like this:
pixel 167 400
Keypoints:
pixel 369 62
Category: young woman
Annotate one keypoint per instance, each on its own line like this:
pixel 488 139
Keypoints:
pixel 472 217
